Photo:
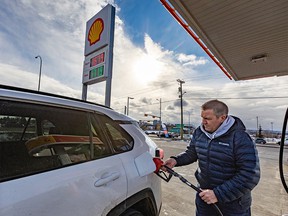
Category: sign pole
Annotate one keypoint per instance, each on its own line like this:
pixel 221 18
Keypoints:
pixel 110 60
pixel 84 92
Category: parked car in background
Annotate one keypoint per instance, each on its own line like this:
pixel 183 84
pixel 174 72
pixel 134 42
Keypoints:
pixel 170 134
pixel 285 142
pixel 148 132
pixel 63 156
pixel 187 137
pixel 260 141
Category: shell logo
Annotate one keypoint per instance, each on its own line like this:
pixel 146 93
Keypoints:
pixel 95 31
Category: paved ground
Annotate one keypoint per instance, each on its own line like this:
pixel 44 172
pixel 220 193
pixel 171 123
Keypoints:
pixel 269 197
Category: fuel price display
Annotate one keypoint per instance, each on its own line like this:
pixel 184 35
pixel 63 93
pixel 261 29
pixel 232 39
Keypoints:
pixel 97 59
pixel 95 67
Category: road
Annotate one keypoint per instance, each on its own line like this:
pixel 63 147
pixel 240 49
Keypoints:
pixel 269 196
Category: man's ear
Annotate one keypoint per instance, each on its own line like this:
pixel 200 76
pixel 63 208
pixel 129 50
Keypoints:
pixel 223 117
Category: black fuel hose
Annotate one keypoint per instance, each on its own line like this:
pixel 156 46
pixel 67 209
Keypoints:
pixel 282 176
pixel 172 172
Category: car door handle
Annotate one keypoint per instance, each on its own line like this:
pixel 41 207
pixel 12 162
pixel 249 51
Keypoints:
pixel 106 178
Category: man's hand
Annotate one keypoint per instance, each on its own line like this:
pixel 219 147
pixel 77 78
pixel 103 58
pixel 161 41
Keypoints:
pixel 171 162
pixel 208 196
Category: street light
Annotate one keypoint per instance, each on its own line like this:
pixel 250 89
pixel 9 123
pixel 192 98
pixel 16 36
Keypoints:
pixel 128 104
pixel 39 71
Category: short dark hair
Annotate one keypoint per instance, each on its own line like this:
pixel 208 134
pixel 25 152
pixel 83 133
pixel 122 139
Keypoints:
pixel 217 106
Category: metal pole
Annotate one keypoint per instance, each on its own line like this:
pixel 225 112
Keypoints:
pixel 39 71
pixel 181 99
pixel 257 126
pixel 128 104
pixel 189 118
pixel 160 109
pixel 110 63
pixel 84 92
pixel 190 127
pixel 181 115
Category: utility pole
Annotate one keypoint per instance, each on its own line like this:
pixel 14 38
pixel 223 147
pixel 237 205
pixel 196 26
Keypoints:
pixel 181 99
pixel 160 110
pixel 160 116
pixel 260 131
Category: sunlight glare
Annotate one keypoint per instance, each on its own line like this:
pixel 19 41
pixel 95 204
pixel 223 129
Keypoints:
pixel 146 69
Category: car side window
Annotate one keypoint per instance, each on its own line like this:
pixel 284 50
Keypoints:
pixel 120 139
pixel 36 138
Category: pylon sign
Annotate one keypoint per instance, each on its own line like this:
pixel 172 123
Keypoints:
pixel 98 52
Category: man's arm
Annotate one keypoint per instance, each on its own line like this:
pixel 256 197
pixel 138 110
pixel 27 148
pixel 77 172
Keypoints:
pixel 187 157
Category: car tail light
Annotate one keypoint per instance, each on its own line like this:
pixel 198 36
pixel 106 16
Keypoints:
pixel 159 153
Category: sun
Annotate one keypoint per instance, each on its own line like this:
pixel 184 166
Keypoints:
pixel 146 69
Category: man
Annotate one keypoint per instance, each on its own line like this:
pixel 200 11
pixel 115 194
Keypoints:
pixel 227 159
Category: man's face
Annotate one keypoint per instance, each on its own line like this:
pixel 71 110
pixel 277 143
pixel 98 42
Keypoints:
pixel 210 121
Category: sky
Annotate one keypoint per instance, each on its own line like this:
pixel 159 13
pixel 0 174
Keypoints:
pixel 151 51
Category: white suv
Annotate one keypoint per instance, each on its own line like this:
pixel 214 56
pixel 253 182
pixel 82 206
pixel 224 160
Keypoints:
pixel 63 156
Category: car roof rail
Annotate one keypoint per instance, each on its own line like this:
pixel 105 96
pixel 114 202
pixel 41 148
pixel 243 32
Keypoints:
pixel 48 94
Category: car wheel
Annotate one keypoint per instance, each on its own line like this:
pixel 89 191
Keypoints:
pixel 132 212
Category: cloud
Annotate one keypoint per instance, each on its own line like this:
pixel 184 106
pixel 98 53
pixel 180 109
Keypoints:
pixel 31 80
pixel 56 31
pixel 170 107
pixel 13 74
pixel 146 100
pixel 191 60
pixel 154 49
pixel 177 103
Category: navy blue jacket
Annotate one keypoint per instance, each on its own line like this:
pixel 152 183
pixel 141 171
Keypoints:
pixel 228 164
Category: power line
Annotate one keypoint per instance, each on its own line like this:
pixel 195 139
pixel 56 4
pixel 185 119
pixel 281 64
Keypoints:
pixel 207 98
pixel 244 89
pixel 172 82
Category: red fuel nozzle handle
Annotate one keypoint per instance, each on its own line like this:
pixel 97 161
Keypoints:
pixel 159 163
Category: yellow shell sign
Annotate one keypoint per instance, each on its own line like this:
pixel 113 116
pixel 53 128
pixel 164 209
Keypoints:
pixel 95 31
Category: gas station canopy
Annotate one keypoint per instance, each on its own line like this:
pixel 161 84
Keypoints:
pixel 247 39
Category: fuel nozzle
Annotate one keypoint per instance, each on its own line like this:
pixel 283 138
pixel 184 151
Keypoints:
pixel 159 163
